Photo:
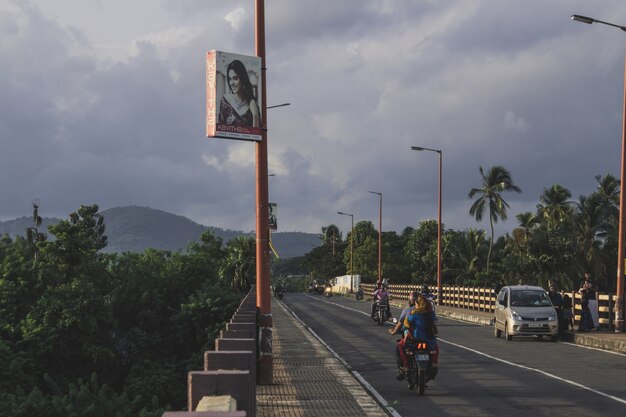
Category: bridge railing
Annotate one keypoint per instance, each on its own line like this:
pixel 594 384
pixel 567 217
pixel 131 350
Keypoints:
pixel 229 371
pixel 484 299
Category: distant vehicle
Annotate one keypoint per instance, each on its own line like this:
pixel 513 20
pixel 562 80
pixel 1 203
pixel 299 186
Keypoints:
pixel 328 291
pixel 319 285
pixel 524 310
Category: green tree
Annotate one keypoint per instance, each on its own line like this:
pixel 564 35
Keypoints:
pixel 239 267
pixel 421 251
pixel 495 182
pixel 463 252
pixel 554 207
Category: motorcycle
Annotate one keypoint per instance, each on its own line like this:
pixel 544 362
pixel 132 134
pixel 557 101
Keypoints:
pixel 359 294
pixel 328 291
pixel 382 313
pixel 420 365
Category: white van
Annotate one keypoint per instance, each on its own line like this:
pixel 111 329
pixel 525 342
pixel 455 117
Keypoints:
pixel 524 310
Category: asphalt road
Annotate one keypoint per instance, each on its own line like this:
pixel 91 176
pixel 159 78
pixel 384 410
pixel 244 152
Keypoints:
pixel 479 375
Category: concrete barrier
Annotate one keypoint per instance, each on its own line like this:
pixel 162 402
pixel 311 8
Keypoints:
pixel 234 360
pixel 241 326
pixel 237 334
pixel 209 383
pixel 243 318
pixel 204 414
pixel 235 344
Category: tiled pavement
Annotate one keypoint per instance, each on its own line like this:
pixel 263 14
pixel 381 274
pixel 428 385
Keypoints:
pixel 308 379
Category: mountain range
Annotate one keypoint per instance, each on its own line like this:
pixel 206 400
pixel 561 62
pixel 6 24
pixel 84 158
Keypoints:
pixel 134 229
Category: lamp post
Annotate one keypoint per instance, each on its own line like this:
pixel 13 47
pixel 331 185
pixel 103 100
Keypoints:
pixel 619 303
pixel 380 236
pixel 351 246
pixel 419 148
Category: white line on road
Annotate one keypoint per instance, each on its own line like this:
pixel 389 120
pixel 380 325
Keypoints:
pixel 567 381
pixel 528 368
pixel 366 385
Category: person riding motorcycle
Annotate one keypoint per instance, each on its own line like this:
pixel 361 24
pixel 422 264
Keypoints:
pixel 421 325
pixel 359 293
pixel 399 329
pixel 379 296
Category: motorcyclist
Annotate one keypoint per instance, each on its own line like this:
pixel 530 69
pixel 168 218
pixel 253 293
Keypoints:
pixel 399 329
pixel 430 297
pixel 278 289
pixel 379 296
pixel 421 326
pixel 359 293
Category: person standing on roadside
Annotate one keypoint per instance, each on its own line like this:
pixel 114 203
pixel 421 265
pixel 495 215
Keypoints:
pixel 557 302
pixel 568 314
pixel 591 288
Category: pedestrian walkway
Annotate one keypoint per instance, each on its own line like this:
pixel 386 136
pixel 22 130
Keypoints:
pixel 308 379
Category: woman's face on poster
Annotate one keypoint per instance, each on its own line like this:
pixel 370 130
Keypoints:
pixel 234 81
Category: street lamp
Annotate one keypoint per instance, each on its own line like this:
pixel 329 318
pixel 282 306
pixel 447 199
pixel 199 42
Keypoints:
pixel 351 246
pixel 439 293
pixel 380 236
pixel 278 105
pixel 619 303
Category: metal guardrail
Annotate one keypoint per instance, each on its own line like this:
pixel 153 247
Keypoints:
pixel 484 299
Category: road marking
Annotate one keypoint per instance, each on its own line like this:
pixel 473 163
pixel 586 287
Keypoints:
pixel 567 381
pixel 366 385
pixel 594 348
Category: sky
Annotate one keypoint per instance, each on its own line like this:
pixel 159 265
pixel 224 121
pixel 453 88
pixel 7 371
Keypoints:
pixel 103 102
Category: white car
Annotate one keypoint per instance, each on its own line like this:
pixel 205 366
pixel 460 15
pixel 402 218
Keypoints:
pixel 524 310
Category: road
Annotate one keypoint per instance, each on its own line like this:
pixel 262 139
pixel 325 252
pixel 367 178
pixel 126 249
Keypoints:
pixel 479 374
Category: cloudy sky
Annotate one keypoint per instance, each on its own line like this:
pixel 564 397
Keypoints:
pixel 103 101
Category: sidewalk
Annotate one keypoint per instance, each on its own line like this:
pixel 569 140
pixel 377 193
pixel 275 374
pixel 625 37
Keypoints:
pixel 308 379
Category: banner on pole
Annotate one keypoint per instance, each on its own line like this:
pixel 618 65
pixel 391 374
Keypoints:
pixel 233 84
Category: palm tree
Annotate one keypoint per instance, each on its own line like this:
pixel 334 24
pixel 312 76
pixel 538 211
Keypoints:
pixel 590 231
pixel 238 268
pixel 494 183
pixel 608 190
pixel 464 248
pixel 554 207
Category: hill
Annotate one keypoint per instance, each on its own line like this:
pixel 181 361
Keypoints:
pixel 134 229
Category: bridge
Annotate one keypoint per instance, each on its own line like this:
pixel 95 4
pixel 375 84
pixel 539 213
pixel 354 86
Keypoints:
pixel 331 359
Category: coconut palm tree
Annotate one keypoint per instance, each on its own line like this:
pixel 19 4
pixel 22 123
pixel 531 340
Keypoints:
pixel 495 182
pixel 554 207
pixel 463 250
pixel 238 268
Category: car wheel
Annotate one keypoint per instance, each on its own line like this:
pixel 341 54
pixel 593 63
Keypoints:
pixel 507 336
pixel 496 332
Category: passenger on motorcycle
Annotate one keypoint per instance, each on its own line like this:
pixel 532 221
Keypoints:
pixel 420 325
pixel 380 295
pixel 399 329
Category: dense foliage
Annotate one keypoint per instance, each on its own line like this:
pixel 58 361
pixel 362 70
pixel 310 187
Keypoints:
pixel 83 333
pixel 561 241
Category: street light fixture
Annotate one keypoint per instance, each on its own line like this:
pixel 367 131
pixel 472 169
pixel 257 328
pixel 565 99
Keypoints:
pixel 380 236
pixel 420 148
pixel 278 105
pixel 619 303
pixel 351 246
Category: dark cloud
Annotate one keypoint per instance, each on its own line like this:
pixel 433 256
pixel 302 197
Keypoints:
pixel 117 117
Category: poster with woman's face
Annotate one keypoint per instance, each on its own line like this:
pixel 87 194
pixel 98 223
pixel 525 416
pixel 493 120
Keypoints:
pixel 233 96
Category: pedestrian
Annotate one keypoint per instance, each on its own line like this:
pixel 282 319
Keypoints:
pixel 557 302
pixel 591 288
pixel 568 315
pixel 498 287
pixel 586 321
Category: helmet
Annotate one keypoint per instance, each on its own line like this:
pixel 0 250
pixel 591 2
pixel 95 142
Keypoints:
pixel 425 289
